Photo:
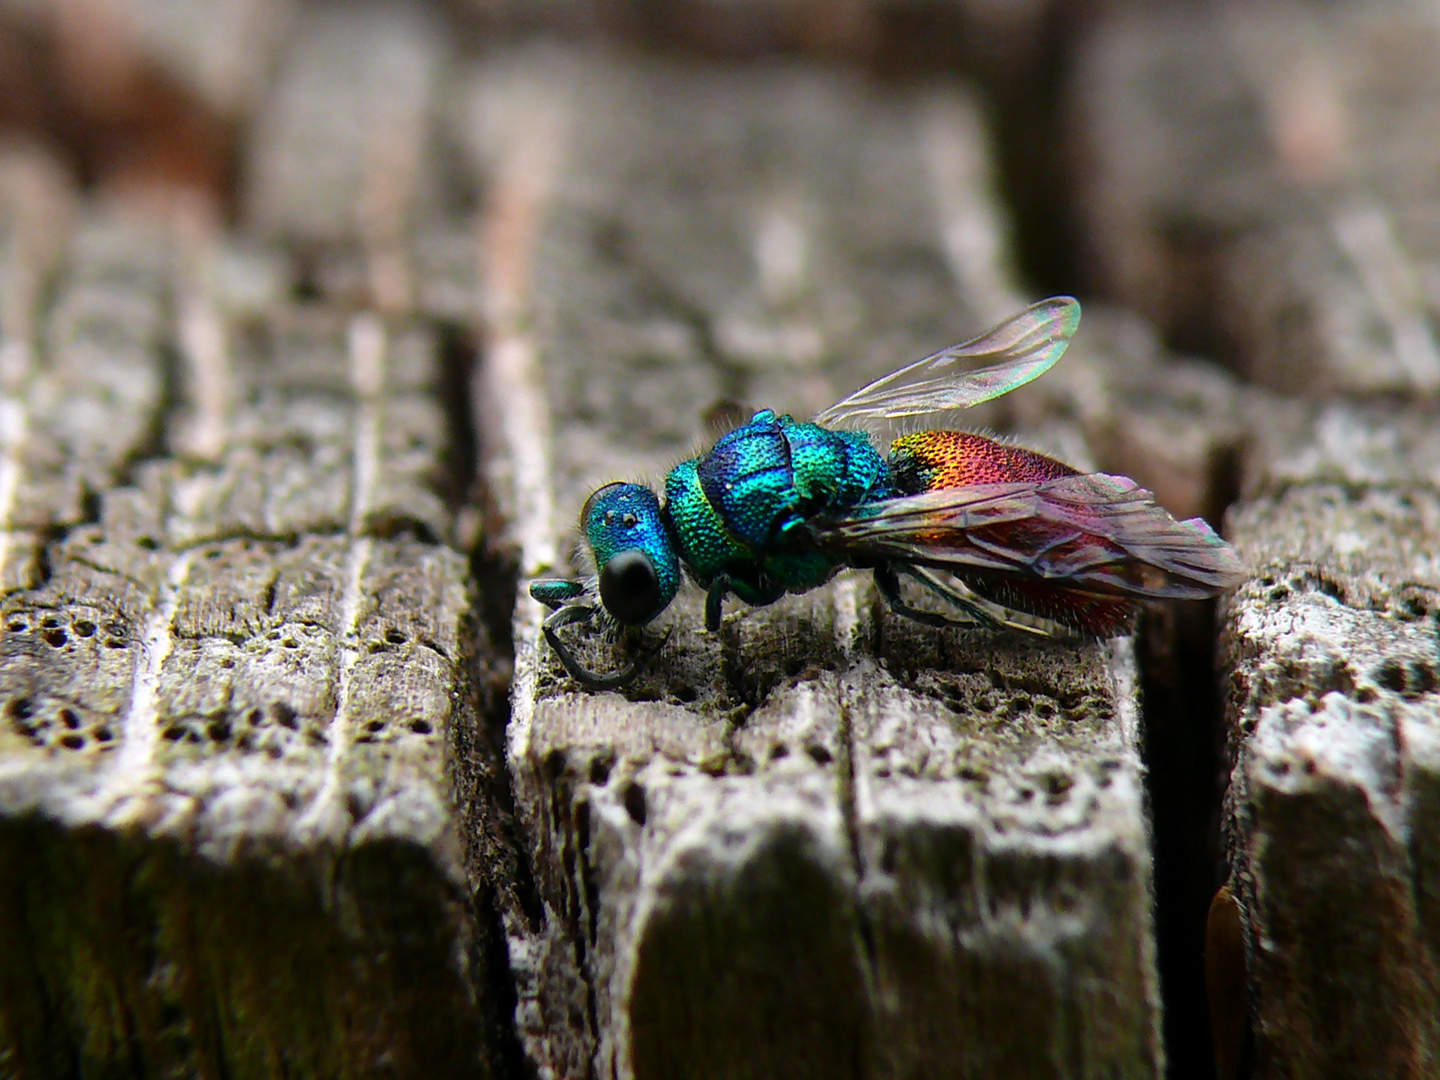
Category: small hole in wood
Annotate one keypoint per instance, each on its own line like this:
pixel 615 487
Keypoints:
pixel 420 727
pixel 55 638
pixel 70 719
pixel 888 855
pixel 600 766
pixel 1391 676
pixel 554 765
pixel 84 628
pixel 395 637
pixel 72 740
pixel 283 715
pixel 819 754
pixel 1056 784
pixel 20 708
pixel 634 799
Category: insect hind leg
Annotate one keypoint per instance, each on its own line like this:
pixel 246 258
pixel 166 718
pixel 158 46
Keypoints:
pixel 574 613
pixel 977 610
pixel 887 580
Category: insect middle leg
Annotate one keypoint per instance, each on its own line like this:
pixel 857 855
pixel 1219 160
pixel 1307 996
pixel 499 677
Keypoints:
pixel 715 602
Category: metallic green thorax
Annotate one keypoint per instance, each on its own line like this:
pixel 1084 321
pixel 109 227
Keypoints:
pixel 740 510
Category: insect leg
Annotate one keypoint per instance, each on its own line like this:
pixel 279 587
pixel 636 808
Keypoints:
pixel 715 601
pixel 555 593
pixel 574 613
pixel 984 611
pixel 887 580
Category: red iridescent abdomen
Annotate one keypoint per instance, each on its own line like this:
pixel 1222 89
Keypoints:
pixel 930 460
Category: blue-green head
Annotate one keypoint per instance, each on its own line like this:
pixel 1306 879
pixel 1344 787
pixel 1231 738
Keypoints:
pixel 636 560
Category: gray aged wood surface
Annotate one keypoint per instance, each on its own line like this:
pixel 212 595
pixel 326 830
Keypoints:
pixel 822 842
pixel 255 814
pixel 1258 177
pixel 241 664
pixel 1331 656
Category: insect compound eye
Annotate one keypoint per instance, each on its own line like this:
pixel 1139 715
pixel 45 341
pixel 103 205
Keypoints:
pixel 630 588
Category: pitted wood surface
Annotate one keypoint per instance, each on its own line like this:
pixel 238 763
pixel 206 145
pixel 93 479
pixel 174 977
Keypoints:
pixel 253 813
pixel 239 680
pixel 1330 659
pixel 798 828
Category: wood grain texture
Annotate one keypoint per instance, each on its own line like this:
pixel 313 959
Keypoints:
pixel 343 162
pixel 1253 178
pixel 239 678
pixel 1330 657
pixel 823 841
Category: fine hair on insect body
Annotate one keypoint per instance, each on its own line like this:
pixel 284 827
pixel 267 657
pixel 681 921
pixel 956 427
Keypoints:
pixel 1004 537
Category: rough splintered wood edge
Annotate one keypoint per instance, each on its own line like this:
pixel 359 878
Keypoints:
pixel 1248 183
pixel 1331 662
pixel 678 838
pixel 235 757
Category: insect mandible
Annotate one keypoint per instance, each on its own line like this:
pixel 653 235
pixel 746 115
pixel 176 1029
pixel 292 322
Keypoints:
pixel 1004 536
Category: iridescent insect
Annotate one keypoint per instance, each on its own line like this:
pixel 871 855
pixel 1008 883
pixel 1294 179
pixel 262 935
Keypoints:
pixel 1006 537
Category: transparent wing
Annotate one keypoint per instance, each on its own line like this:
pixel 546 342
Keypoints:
pixel 1092 531
pixel 1018 350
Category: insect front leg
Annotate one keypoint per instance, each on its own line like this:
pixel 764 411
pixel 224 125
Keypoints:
pixel 555 593
pixel 574 613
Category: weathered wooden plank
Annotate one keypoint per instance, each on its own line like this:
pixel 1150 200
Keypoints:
pixel 72 424
pixel 1330 664
pixel 343 149
pixel 1257 180
pixel 798 847
pixel 36 206
pixel 240 703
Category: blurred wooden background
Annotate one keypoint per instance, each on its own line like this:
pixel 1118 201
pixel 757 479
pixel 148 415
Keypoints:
pixel 318 322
